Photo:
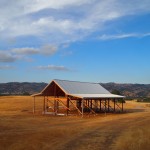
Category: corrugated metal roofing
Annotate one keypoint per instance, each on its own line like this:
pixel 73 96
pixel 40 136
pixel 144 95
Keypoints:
pixel 97 96
pixel 73 87
pixel 83 90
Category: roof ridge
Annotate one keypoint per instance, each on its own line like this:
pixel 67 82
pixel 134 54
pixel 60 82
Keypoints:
pixel 76 81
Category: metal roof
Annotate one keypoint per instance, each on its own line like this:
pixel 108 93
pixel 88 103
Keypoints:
pixel 74 87
pixel 97 96
pixel 83 90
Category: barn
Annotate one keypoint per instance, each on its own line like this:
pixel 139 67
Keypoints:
pixel 62 97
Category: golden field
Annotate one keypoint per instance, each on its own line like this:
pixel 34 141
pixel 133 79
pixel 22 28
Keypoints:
pixel 21 130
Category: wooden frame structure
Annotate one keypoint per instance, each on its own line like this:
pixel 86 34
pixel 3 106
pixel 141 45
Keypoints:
pixel 57 101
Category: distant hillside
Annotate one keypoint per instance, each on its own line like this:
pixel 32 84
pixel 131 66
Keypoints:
pixel 128 90
pixel 17 88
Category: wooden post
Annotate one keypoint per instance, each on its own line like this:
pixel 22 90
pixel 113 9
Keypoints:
pixel 34 105
pixel 100 105
pixel 105 106
pixel 122 105
pixel 55 104
pixel 108 104
pixel 67 106
pixel 91 103
pixel 114 105
pixel 55 107
pixel 82 107
pixel 44 105
pixel 96 104
pixel 88 102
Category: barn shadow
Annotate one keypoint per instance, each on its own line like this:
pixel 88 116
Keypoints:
pixel 133 110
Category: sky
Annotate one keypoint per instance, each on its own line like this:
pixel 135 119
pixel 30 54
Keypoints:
pixel 80 40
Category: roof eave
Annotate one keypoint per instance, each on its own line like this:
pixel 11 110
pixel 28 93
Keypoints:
pixel 37 94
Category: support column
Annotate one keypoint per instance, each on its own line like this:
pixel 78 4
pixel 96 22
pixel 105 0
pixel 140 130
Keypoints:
pixel 100 105
pixel 105 105
pixel 34 105
pixel 108 104
pixel 82 107
pixel 55 107
pixel 122 105
pixel 88 103
pixel 55 103
pixel 44 105
pixel 96 104
pixel 114 105
pixel 67 106
pixel 91 103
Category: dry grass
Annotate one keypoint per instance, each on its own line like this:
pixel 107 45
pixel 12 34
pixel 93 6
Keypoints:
pixel 21 130
pixel 137 138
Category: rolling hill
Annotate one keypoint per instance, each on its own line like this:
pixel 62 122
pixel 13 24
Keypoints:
pixel 25 88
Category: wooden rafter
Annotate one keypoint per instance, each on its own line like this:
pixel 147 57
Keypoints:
pixel 75 106
pixel 89 108
pixel 62 103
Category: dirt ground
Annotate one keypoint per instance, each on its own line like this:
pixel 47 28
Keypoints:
pixel 21 130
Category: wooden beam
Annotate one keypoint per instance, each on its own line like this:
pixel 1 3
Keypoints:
pixel 100 104
pixel 75 106
pixel 122 105
pixel 108 104
pixel 90 108
pixel 118 106
pixel 52 104
pixel 114 105
pixel 52 98
pixel 91 103
pixel 67 106
pixel 55 98
pixel 44 105
pixel 62 104
pixel 55 106
pixel 88 103
pixel 82 107
pixel 105 105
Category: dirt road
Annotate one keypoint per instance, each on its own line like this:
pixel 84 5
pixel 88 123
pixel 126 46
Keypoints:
pixel 102 135
pixel 21 130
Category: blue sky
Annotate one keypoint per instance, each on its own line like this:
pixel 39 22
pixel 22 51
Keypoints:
pixel 81 40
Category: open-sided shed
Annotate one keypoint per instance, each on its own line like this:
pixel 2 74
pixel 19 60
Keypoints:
pixel 66 97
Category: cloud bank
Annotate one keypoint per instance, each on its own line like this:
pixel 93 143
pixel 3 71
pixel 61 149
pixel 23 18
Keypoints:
pixel 64 21
pixel 15 54
pixel 53 67
pixel 122 36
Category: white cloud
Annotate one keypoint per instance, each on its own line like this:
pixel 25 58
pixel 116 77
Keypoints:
pixel 6 56
pixel 6 67
pixel 36 5
pixel 15 54
pixel 53 67
pixel 122 36
pixel 63 21
pixel 46 50
pixel 25 51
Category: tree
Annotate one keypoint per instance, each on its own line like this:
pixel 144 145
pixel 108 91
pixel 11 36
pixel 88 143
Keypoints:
pixel 116 92
pixel 26 93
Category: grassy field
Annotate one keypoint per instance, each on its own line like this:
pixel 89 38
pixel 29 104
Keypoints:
pixel 21 130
